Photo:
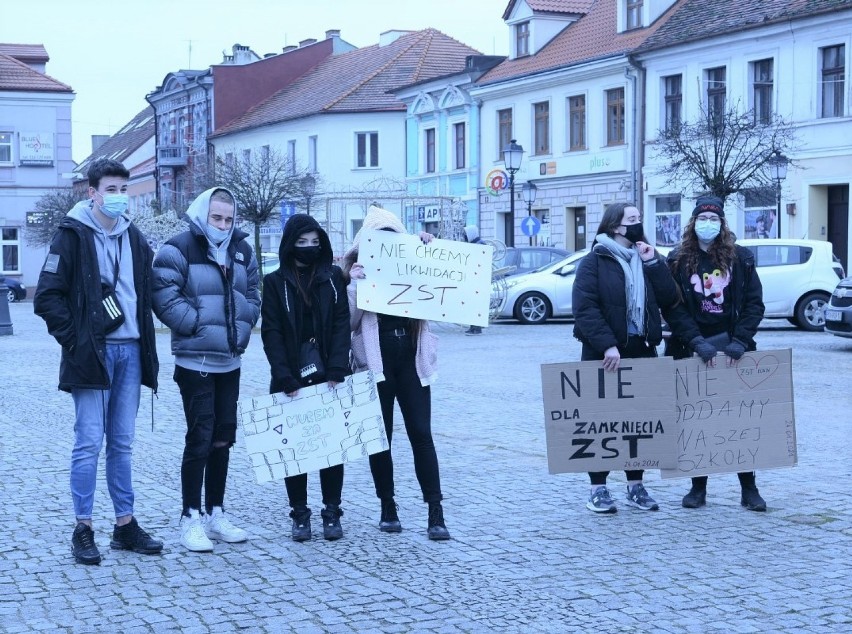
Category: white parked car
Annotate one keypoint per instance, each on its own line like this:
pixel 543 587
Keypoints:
pixel 798 277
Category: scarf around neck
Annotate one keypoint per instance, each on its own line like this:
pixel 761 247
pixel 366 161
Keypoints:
pixel 634 278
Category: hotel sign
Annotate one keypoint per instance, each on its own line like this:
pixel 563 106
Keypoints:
pixel 36 148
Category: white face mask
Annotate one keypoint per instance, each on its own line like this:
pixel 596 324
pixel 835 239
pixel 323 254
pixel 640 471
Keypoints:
pixel 217 236
pixel 707 230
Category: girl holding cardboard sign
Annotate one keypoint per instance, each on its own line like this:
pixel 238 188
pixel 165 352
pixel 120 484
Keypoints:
pixel 721 310
pixel 305 332
pixel 402 352
pixel 617 293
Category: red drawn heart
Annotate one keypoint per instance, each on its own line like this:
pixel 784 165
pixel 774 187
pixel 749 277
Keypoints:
pixel 753 371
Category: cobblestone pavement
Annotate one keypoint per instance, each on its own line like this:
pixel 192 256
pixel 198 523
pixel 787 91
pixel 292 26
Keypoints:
pixel 526 556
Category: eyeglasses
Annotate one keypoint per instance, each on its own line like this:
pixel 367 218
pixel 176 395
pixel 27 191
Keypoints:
pixel 713 218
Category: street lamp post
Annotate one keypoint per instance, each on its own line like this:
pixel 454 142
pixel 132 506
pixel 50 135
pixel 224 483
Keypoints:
pixel 528 192
pixel 778 170
pixel 512 155
pixel 309 186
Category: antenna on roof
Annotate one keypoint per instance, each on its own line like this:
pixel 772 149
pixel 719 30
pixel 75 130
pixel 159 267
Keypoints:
pixel 189 61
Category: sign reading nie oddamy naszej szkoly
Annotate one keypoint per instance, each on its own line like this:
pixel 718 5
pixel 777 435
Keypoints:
pixel 440 281
pixel 737 418
pixel 607 421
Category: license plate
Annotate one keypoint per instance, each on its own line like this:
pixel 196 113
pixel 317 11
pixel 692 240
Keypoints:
pixel 833 315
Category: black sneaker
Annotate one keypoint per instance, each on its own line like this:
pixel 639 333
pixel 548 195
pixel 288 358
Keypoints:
pixel 301 524
pixel 437 530
pixel 389 522
pixel 600 501
pixel 638 497
pixel 331 528
pixel 696 498
pixel 131 536
pixel 752 501
pixel 83 545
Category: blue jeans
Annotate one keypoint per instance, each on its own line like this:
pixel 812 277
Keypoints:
pixel 110 413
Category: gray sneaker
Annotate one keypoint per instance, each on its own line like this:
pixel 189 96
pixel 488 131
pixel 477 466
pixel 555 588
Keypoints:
pixel 601 501
pixel 637 496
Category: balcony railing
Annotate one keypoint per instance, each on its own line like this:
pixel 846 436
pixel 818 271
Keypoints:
pixel 171 155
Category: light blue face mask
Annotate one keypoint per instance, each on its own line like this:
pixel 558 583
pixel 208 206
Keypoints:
pixel 114 205
pixel 217 236
pixel 707 230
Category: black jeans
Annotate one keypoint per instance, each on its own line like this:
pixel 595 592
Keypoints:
pixel 636 348
pixel 415 402
pixel 331 484
pixel 210 406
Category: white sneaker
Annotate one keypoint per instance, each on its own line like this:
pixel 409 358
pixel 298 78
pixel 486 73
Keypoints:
pixel 218 526
pixel 192 534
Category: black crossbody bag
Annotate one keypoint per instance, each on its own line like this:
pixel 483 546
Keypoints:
pixel 113 315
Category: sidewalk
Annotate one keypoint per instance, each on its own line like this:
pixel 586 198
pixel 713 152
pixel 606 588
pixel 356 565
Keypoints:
pixel 526 555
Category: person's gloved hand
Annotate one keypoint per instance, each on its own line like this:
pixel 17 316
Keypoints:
pixel 735 349
pixel 703 348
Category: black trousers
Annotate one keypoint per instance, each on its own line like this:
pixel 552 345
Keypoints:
pixel 636 348
pixel 415 402
pixel 210 406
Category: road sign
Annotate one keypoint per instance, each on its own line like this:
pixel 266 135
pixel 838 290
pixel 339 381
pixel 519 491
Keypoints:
pixel 530 226
pixel 288 209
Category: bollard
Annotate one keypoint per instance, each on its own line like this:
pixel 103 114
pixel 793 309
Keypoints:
pixel 5 318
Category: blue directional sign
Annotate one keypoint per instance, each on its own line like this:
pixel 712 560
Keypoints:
pixel 530 226
pixel 288 209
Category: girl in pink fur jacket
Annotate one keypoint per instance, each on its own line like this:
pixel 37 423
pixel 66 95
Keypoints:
pixel 402 353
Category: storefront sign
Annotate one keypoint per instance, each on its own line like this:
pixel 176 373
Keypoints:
pixel 36 148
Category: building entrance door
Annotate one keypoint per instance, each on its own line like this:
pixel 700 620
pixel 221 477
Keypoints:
pixel 838 222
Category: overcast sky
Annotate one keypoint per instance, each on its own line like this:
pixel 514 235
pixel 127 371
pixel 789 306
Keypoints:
pixel 112 53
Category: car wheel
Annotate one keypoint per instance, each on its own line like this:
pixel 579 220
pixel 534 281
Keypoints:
pixel 809 311
pixel 532 308
pixel 10 294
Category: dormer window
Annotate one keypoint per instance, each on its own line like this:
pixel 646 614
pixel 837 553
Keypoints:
pixel 634 14
pixel 522 39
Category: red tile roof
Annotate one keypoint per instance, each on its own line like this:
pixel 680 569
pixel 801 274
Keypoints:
pixel 591 37
pixel 25 52
pixel 15 75
pixel 360 80
pixel 552 6
pixel 700 19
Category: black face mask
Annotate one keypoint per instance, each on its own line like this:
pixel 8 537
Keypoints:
pixel 307 255
pixel 634 233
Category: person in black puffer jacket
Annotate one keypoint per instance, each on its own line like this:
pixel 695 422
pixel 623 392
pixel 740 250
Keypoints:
pixel 305 300
pixel 618 291
pixel 722 308
pixel 206 291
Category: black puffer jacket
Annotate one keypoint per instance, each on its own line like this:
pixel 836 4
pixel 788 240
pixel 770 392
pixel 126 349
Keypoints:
pixel 69 300
pixel 745 292
pixel 282 309
pixel 209 312
pixel 599 300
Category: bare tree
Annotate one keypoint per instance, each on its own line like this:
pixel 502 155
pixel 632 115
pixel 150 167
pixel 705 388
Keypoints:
pixel 723 152
pixel 260 181
pixel 49 211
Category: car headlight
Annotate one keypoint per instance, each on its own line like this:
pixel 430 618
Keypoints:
pixel 23 288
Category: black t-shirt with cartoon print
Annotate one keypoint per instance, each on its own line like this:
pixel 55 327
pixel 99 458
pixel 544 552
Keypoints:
pixel 712 296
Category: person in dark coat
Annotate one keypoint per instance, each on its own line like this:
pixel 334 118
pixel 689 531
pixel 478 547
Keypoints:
pixel 617 294
pixel 721 310
pixel 206 292
pixel 94 294
pixel 305 301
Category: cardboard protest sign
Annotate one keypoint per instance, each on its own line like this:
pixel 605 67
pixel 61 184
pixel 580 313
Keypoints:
pixel 440 281
pixel 607 421
pixel 317 428
pixel 737 418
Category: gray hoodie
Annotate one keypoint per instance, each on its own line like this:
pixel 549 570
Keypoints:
pixel 111 244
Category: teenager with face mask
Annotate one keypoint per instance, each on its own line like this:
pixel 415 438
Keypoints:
pixel 206 292
pixel 617 294
pixel 721 310
pixel 305 300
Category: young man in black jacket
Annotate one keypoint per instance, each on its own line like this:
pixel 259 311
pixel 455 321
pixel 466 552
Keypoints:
pixel 94 293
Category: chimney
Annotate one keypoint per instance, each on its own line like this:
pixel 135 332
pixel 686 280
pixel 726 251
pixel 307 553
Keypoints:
pixel 389 37
pixel 332 33
pixel 98 140
pixel 242 54
pixel 268 55
pixel 287 49
pixel 307 42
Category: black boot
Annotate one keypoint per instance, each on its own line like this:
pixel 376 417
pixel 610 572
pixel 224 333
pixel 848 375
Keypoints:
pixel 437 530
pixel 331 528
pixel 301 523
pixel 389 522
pixel 697 496
pixel 750 495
